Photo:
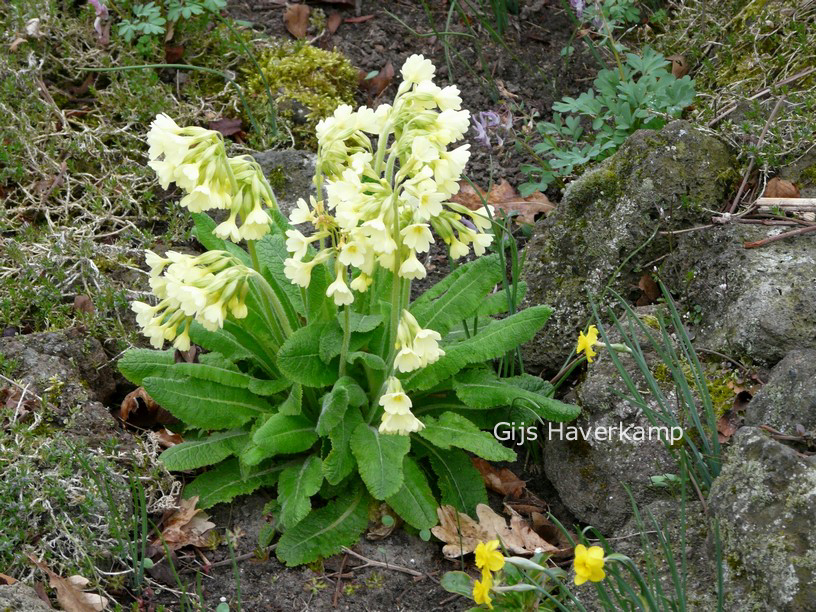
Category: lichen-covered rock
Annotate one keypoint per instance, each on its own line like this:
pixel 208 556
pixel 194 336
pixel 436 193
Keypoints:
pixel 765 501
pixel 754 303
pixel 788 399
pixel 590 474
pixel 71 360
pixel 605 229
pixel 18 597
pixel 290 173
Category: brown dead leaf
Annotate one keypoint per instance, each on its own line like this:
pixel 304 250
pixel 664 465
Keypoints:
pixel 651 292
pixel 18 402
pixel 167 438
pixel 7 580
pixel 360 19
pixel 296 19
pixel 377 84
pixel 461 533
pixel 227 127
pixel 727 425
pixel 83 303
pixel 15 44
pixel 377 529
pixel 502 481
pixel 679 66
pixel 190 356
pixel 70 595
pixel 173 53
pixel 504 197
pixel 334 21
pixel 141 410
pixel 553 534
pixel 780 188
pixel 187 526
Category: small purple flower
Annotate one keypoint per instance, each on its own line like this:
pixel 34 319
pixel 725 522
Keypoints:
pixel 101 15
pixel 485 122
pixel 578 7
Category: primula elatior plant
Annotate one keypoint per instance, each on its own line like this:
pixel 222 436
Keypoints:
pixel 320 375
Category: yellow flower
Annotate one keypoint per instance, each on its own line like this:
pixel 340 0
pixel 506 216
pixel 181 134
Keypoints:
pixel 588 564
pixel 488 557
pixel 481 590
pixel 586 342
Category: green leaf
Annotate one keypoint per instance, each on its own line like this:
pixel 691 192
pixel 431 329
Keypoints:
pixel 371 360
pixel 326 531
pixel 493 341
pixel 138 364
pixel 496 303
pixel 379 459
pixel 339 463
pixel 219 341
pixel 359 322
pixel 268 387
pixel 414 502
pixel 194 454
pixel 296 486
pixel 459 583
pixel 205 404
pixel 332 408
pixel 321 307
pixel 271 250
pixel 224 483
pixel 357 397
pixel 203 227
pixel 462 298
pixel 452 429
pixel 285 435
pixel 331 342
pixel 483 389
pixel 459 482
pixel 293 404
pixel 299 358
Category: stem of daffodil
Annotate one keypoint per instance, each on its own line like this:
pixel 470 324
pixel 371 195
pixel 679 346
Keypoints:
pixel 346 339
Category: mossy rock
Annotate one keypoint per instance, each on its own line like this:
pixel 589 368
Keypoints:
pixel 607 226
pixel 763 500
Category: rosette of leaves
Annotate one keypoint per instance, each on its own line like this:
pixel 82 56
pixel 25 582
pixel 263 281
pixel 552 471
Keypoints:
pixel 641 93
pixel 261 415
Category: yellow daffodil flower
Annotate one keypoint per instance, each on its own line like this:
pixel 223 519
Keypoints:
pixel 488 557
pixel 586 342
pixel 588 564
pixel 481 590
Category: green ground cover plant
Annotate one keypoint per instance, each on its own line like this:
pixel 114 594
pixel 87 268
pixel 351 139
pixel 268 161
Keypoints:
pixel 322 377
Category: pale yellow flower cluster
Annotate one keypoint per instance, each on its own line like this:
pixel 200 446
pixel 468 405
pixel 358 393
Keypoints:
pixel 397 417
pixel 195 159
pixel 416 347
pixel 206 288
pixel 381 202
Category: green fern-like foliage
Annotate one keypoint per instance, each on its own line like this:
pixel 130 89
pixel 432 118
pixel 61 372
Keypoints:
pixel 260 415
pixel 639 94
pixel 308 84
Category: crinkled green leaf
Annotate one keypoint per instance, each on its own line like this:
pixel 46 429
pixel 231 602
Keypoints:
pixel 339 463
pixel 285 435
pixel 459 482
pixel 414 502
pixel 299 358
pixel 296 486
pixel 193 454
pixel 327 530
pixel 452 429
pixel 379 459
pixel 333 406
pixel 205 404
pixel 224 483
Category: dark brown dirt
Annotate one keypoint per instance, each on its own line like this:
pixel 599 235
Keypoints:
pixel 524 74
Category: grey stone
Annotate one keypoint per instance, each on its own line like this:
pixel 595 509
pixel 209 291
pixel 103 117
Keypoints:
pixel 71 358
pixel 605 229
pixel 788 399
pixel 18 597
pixel 765 502
pixel 590 475
pixel 296 169
pixel 755 304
